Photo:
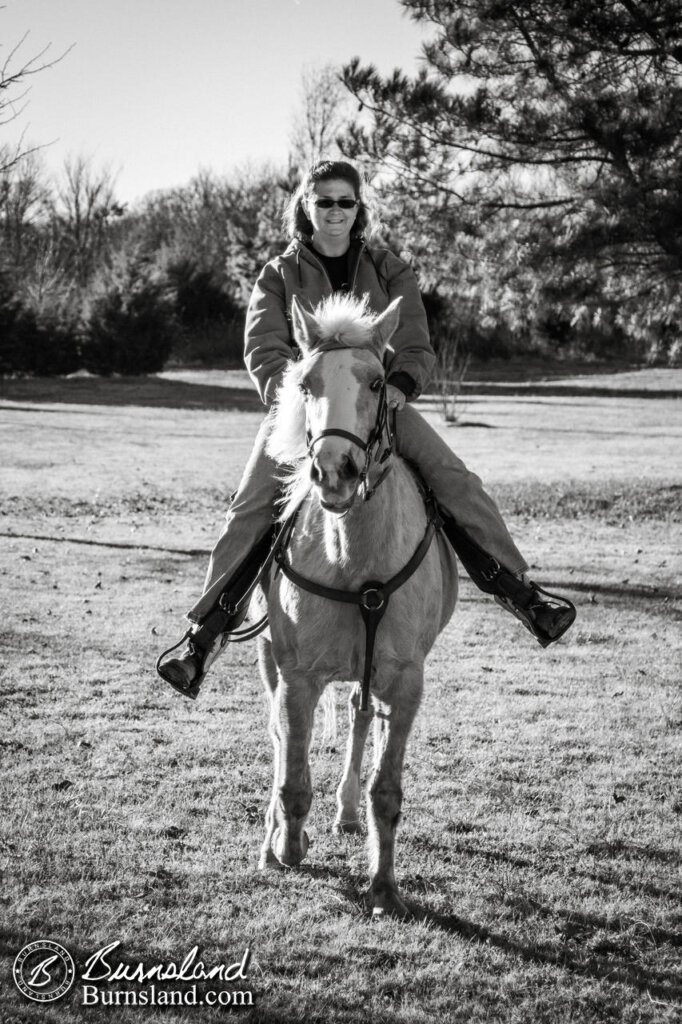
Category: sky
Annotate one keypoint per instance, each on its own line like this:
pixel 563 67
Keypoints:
pixel 156 90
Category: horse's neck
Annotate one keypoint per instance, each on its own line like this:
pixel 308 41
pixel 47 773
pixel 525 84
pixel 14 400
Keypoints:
pixel 377 537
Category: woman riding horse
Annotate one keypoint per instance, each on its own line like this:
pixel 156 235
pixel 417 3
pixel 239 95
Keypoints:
pixel 327 218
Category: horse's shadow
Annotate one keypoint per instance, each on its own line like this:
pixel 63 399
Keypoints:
pixel 615 966
pixel 658 984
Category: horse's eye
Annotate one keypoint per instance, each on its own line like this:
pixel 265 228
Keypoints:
pixel 304 389
pixel 377 384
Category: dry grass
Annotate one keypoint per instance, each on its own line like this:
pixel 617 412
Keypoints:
pixel 540 841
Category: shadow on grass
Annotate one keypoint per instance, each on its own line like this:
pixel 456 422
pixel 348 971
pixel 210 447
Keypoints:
pixel 614 968
pixel 616 591
pixel 114 544
pixel 608 960
pixel 620 591
pixel 523 389
pixel 603 877
pixel 143 391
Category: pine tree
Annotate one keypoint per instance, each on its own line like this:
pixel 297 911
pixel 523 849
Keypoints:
pixel 559 121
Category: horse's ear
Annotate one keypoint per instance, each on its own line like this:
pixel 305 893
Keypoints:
pixel 386 324
pixel 303 324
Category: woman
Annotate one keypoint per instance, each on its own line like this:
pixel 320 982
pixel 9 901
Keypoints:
pixel 327 219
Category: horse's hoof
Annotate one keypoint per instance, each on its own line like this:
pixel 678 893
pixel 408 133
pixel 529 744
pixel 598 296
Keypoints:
pixel 389 904
pixel 350 828
pixel 267 860
pixel 288 852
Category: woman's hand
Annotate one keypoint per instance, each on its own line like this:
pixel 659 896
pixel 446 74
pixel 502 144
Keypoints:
pixel 395 398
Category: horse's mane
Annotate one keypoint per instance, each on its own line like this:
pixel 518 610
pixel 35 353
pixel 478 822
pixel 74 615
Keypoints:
pixel 341 321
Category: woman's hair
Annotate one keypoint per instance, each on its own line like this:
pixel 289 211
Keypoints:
pixel 296 221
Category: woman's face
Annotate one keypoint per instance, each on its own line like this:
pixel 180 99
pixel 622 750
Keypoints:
pixel 332 225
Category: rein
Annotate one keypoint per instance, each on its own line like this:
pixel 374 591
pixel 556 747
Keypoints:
pixel 373 596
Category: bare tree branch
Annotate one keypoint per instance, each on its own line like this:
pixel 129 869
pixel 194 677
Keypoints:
pixel 13 75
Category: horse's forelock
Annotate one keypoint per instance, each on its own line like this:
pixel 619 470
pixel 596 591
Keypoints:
pixel 344 321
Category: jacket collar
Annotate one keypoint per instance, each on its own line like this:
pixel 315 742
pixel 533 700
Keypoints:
pixel 305 251
pixel 300 250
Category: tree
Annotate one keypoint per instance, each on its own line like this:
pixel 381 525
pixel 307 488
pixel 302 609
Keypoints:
pixel 226 226
pixel 15 72
pixel 209 240
pixel 86 203
pixel 24 202
pixel 324 113
pixel 556 124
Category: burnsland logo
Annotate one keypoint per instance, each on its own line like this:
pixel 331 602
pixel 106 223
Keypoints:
pixel 44 971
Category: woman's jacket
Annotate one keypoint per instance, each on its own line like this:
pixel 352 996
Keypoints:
pixel 375 272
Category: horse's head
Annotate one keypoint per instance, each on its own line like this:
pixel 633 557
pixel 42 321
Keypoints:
pixel 340 378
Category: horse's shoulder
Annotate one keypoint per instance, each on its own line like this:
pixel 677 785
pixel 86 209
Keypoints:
pixel 412 483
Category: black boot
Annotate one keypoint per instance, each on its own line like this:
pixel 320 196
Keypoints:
pixel 204 643
pixel 206 640
pixel 186 672
pixel 547 616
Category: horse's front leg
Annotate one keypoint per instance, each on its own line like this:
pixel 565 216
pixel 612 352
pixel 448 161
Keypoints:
pixel 295 703
pixel 269 675
pixel 393 722
pixel 349 791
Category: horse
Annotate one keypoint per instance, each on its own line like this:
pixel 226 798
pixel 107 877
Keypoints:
pixel 357 518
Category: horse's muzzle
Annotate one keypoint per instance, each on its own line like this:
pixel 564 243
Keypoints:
pixel 344 471
pixel 339 509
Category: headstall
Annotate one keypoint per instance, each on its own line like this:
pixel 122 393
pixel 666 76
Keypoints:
pixel 382 425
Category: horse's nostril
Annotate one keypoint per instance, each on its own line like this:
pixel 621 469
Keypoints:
pixel 349 470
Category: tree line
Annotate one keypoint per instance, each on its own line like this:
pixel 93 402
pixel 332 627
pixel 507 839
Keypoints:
pixel 531 172
pixel 87 284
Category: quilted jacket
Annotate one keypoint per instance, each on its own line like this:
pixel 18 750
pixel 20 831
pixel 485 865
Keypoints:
pixel 268 342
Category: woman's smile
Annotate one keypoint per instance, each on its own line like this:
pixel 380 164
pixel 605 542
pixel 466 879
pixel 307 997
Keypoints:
pixel 332 225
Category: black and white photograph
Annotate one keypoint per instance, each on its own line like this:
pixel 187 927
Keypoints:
pixel 341 511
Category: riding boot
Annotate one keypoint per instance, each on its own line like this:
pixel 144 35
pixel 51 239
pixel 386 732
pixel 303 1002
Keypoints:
pixel 204 643
pixel 206 639
pixel 547 616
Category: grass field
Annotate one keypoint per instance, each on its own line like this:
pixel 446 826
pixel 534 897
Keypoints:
pixel 540 841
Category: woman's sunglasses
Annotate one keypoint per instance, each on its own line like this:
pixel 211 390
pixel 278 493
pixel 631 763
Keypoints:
pixel 343 204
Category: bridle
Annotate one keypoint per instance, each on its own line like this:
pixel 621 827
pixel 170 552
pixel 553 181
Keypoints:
pixel 371 447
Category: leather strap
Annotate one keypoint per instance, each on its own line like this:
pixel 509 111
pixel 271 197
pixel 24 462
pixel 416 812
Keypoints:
pixel 339 432
pixel 373 596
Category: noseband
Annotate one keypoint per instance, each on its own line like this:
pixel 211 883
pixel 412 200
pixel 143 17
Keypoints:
pixel 370 447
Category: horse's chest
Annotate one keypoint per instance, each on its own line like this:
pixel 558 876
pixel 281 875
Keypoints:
pixel 316 634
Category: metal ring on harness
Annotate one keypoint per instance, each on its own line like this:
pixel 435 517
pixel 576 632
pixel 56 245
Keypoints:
pixel 364 601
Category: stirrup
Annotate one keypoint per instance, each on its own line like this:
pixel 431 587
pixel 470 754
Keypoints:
pixel 565 614
pixel 190 690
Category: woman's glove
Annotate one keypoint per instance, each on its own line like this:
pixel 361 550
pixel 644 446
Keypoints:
pixel 395 398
